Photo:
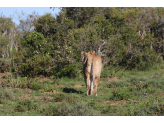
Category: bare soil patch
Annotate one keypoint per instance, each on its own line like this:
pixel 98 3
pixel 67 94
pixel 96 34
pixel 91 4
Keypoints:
pixel 101 81
pixel 120 103
pixel 78 86
pixel 113 79
pixel 21 89
pixel 43 79
pixel 61 85
pixel 50 93
pixel 110 79
pixel 46 98
pixel 2 75
pixel 29 96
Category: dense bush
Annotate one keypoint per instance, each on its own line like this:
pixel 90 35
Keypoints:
pixel 4 67
pixel 127 38
pixel 106 72
pixel 34 65
pixel 35 43
pixel 70 70
pixel 34 59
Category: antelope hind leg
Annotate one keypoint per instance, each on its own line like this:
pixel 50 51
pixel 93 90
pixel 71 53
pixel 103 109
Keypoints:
pixel 88 86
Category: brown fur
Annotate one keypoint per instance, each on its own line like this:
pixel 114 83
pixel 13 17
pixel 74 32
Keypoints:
pixel 92 65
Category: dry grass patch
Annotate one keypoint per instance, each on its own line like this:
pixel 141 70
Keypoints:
pixel 20 89
pixel 25 96
pixel 43 79
pixel 110 79
pixel 45 98
pixel 5 74
pixel 113 79
pixel 61 85
pixel 50 93
pixel 15 89
pixel 78 86
pixel 120 103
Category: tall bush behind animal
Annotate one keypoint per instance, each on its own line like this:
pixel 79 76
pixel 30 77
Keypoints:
pixel 127 37
pixel 35 58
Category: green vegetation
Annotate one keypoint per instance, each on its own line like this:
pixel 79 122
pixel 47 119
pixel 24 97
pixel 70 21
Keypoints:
pixel 58 97
pixel 125 38
pixel 41 70
pixel 25 105
pixel 135 93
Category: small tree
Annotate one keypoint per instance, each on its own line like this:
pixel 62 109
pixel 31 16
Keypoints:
pixel 34 59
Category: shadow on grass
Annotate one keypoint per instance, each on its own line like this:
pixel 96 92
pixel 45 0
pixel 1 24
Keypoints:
pixel 71 90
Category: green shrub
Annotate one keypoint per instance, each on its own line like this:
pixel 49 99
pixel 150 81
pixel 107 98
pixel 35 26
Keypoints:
pixel 148 111
pixel 71 70
pixel 71 98
pixel 33 58
pixel 49 89
pixel 131 88
pixel 106 109
pixel 4 67
pixel 23 82
pixel 50 110
pixel 35 43
pixel 157 76
pixel 58 97
pixel 35 65
pixel 18 82
pixel 105 72
pixel 36 86
pixel 158 83
pixel 92 103
pixel 77 109
pixel 118 84
pixel 25 105
pixel 1 101
pixel 121 94
pixel 150 90
pixel 6 94
pixel 134 80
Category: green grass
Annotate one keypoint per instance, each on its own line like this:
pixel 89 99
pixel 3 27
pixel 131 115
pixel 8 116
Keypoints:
pixel 136 93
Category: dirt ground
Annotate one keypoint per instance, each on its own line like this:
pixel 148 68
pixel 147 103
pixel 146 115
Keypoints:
pixel 2 75
pixel 78 86
pixel 113 79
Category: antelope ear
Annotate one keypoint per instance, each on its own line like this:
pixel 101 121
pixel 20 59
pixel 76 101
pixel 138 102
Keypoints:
pixel 82 52
pixel 92 53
